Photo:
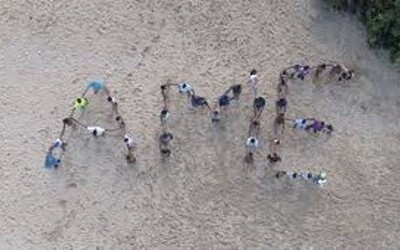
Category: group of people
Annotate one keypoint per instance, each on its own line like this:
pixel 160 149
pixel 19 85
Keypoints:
pixel 194 102
pixel 312 124
pixel 308 124
pixel 337 71
pixel 53 161
pixel 166 137
pixel 317 178
pixel 259 102
pixel 217 111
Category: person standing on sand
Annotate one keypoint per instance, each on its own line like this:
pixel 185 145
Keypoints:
pixel 251 147
pixel 184 88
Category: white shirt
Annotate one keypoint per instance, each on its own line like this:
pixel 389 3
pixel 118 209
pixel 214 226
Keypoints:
pixel 57 143
pixel 113 100
pixel 99 130
pixel 165 116
pixel 184 87
pixel 253 80
pixel 300 123
pixel 252 146
pixel 321 182
pixel 129 142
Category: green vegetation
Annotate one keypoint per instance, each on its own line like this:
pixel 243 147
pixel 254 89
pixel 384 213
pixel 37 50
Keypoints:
pixel 382 19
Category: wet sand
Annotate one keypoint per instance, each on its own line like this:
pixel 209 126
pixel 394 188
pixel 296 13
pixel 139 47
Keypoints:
pixel 204 196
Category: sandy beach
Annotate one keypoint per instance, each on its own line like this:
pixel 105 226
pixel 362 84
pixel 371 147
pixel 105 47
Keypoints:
pixel 204 196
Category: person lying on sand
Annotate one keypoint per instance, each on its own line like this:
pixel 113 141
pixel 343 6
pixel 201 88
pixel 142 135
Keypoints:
pixel 341 72
pixel 96 130
pixel 224 101
pixel 222 104
pixel 130 158
pixel 215 115
pixel 166 138
pixel 165 91
pixel 81 103
pixel 258 106
pixel 346 74
pixel 164 141
pixel 251 144
pixel 58 143
pixel 51 161
pixel 184 88
pixel 319 69
pixel 327 129
pixel 313 125
pixel 120 121
pixel 95 85
pixel 195 101
pixel 300 123
pixel 316 125
pixel 282 88
pixel 68 121
pixel 112 100
pixel 279 125
pixel 236 91
pixel 254 128
pixel 164 115
pixel 273 158
pixel 298 71
pixel 251 147
pixel 280 106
